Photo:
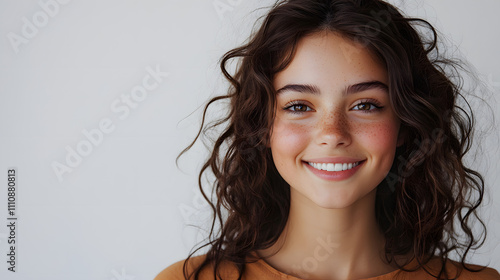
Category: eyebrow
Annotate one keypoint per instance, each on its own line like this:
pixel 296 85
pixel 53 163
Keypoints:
pixel 349 90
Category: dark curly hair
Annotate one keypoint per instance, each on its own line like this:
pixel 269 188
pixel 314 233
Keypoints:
pixel 430 197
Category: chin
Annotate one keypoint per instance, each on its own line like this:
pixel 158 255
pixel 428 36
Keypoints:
pixel 335 204
pixel 342 199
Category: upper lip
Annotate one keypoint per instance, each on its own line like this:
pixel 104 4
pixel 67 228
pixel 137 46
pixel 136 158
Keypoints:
pixel 334 160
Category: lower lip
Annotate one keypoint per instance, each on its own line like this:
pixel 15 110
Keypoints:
pixel 334 175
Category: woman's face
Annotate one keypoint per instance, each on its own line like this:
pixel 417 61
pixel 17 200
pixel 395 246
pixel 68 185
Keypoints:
pixel 333 111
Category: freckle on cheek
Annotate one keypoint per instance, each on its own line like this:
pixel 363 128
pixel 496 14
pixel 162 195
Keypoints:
pixel 381 135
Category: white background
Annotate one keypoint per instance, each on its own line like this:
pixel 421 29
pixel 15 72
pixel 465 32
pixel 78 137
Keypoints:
pixel 122 211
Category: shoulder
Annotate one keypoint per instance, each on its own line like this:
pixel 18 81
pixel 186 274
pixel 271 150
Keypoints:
pixel 176 270
pixel 467 272
pixel 484 273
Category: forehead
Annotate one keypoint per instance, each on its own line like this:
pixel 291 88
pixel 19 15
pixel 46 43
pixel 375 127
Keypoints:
pixel 327 59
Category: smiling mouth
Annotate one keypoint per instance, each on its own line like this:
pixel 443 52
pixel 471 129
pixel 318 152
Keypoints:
pixel 334 166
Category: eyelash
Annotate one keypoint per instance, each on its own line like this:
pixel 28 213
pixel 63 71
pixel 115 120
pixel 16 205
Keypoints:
pixel 370 101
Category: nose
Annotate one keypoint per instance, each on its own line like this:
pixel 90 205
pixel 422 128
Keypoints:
pixel 333 130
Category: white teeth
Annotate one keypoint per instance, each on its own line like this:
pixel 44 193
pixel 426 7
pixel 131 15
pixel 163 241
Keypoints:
pixel 333 166
pixel 330 167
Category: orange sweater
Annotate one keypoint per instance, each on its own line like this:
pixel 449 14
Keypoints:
pixel 261 270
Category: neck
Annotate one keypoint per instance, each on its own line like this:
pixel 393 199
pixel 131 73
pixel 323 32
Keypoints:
pixel 320 243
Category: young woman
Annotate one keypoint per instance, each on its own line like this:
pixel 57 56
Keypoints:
pixel 342 157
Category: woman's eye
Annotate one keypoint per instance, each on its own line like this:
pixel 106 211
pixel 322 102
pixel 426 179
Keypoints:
pixel 298 108
pixel 366 106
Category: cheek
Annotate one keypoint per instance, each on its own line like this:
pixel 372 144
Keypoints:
pixel 288 138
pixel 380 137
